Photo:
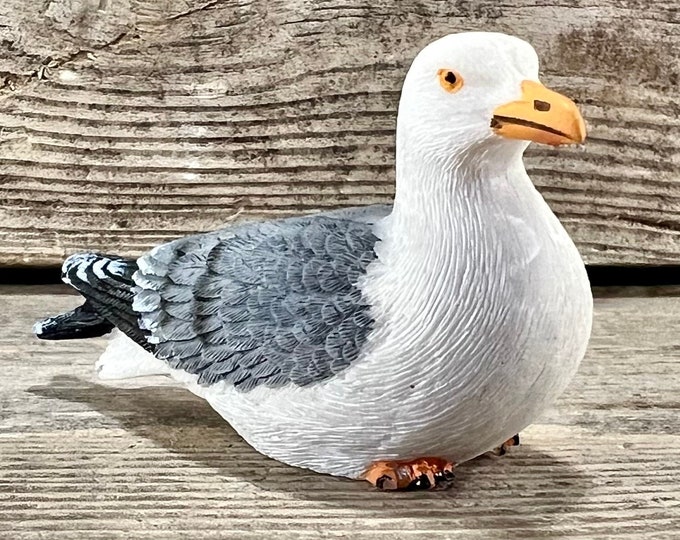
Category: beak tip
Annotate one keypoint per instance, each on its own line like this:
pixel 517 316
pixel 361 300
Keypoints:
pixel 580 131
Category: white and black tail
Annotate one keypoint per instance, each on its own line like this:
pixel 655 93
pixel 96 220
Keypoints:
pixel 106 283
pixel 81 323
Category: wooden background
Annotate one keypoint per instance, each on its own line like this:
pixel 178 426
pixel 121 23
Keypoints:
pixel 125 123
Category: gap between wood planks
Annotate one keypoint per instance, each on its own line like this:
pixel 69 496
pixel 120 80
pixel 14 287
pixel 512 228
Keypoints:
pixel 600 276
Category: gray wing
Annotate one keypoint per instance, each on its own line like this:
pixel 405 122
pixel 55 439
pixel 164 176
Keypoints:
pixel 271 303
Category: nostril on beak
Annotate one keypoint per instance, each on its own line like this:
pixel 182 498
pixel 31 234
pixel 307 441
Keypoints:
pixel 542 106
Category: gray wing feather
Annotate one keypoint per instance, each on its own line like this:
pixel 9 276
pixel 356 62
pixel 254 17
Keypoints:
pixel 271 303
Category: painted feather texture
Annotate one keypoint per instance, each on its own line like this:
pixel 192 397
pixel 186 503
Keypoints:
pixel 264 303
pixel 106 282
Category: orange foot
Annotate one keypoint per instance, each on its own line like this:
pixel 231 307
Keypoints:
pixel 422 473
pixel 503 448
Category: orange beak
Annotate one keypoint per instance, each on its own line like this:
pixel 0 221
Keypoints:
pixel 540 115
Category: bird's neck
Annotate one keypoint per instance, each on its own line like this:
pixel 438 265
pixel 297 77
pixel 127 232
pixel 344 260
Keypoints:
pixel 461 228
pixel 433 196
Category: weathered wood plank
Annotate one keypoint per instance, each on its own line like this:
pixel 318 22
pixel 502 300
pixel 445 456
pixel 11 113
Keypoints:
pixel 124 124
pixel 79 459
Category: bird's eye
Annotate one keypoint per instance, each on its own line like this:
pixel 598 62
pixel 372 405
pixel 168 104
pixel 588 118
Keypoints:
pixel 450 80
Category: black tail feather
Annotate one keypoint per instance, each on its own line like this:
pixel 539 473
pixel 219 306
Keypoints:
pixel 107 284
pixel 80 323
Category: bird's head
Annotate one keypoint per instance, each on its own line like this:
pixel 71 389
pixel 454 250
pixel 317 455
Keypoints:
pixel 477 93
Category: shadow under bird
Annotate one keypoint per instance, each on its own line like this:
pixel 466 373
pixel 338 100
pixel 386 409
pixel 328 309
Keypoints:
pixel 387 343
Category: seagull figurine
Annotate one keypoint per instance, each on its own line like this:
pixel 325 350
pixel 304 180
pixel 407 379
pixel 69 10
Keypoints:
pixel 381 343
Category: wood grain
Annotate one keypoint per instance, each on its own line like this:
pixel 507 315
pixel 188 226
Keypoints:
pixel 80 459
pixel 125 124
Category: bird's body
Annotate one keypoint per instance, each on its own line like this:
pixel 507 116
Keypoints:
pixel 465 314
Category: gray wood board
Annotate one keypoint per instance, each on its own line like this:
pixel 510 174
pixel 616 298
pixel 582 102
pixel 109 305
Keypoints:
pixel 80 459
pixel 124 124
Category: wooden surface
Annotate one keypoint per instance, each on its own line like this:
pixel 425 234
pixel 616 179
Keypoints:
pixel 81 460
pixel 124 124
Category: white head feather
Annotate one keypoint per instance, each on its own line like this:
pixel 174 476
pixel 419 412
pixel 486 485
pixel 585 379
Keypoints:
pixel 452 128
